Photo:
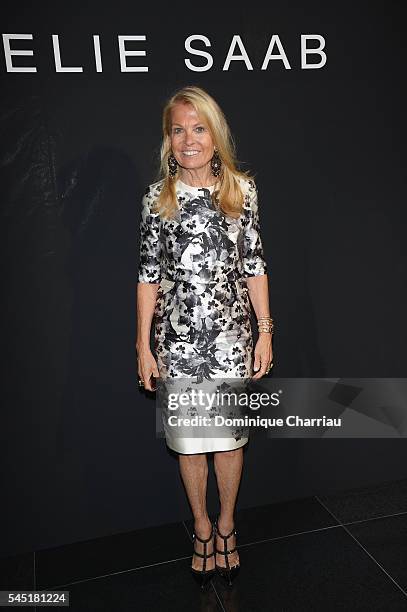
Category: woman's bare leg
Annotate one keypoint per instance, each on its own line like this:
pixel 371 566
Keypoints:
pixel 194 473
pixel 228 469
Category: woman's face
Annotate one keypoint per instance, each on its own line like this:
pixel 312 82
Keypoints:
pixel 191 141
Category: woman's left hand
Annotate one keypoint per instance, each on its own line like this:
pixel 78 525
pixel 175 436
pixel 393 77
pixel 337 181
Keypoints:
pixel 263 355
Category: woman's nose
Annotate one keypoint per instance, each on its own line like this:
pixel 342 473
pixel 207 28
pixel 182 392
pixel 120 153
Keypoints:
pixel 189 137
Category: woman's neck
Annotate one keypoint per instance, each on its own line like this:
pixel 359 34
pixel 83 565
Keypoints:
pixel 196 181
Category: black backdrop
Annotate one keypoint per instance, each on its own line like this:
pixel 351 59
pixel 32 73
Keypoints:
pixel 80 453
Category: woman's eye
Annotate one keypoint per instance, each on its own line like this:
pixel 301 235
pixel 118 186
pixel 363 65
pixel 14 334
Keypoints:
pixel 200 128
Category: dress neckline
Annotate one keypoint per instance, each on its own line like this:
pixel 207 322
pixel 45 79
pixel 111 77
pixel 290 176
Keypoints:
pixel 193 189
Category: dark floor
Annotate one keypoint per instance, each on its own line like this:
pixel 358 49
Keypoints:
pixel 340 552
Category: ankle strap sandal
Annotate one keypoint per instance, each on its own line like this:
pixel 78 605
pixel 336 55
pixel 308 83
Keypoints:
pixel 228 573
pixel 203 576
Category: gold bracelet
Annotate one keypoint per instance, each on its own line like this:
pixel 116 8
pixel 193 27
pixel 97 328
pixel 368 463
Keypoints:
pixel 266 329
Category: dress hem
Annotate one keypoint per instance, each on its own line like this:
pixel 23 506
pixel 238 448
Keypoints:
pixel 212 450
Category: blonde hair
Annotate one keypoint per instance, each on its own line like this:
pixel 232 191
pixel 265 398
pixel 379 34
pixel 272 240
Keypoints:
pixel 227 195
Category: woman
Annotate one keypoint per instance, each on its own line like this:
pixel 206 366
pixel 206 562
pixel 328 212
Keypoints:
pixel 201 259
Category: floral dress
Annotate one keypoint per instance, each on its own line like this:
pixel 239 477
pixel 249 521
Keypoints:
pixel 201 260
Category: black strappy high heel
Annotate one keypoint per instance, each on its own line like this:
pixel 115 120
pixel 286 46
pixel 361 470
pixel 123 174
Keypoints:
pixel 203 576
pixel 228 573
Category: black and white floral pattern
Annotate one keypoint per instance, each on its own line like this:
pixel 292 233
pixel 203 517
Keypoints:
pixel 201 260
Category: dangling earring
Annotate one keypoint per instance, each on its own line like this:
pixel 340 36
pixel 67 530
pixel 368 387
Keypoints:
pixel 172 165
pixel 216 163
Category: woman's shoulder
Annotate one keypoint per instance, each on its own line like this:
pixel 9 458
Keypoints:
pixel 154 188
pixel 151 193
pixel 249 190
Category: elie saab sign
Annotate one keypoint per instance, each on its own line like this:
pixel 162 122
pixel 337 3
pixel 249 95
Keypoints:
pixel 311 54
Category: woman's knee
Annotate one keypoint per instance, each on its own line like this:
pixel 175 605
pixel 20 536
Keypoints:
pixel 229 454
pixel 193 459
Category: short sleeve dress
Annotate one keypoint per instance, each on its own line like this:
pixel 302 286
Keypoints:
pixel 201 260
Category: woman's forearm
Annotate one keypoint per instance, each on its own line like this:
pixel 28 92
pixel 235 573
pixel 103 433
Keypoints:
pixel 259 294
pixel 146 302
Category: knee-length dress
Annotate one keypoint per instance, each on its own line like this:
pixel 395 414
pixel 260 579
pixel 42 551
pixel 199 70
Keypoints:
pixel 201 260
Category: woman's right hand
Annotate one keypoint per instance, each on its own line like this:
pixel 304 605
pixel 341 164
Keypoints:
pixel 147 367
